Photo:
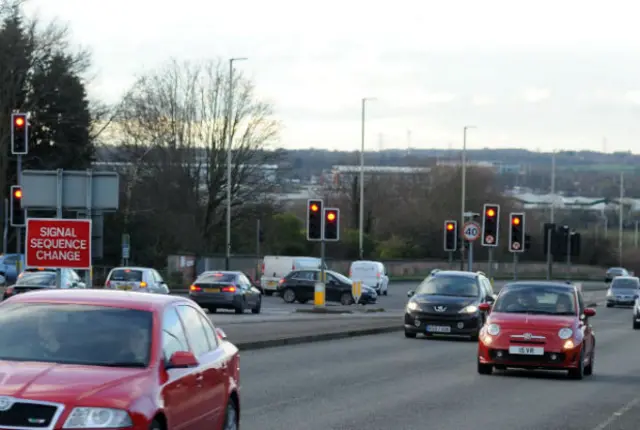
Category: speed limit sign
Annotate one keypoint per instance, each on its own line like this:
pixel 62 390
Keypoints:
pixel 471 231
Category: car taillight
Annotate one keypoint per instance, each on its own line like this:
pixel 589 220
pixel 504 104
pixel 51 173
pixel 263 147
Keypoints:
pixel 195 288
pixel 262 271
pixel 281 281
pixel 108 284
pixel 293 267
pixel 9 290
pixel 143 284
pixel 378 275
pixel 229 289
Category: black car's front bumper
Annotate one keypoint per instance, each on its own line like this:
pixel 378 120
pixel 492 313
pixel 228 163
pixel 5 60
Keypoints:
pixel 621 301
pixel 451 324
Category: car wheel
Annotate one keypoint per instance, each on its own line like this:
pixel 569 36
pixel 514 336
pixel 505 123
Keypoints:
pixel 346 299
pixel 231 416
pixel 240 308
pixel 609 305
pixel 410 335
pixel 155 425
pixel 579 372
pixel 288 295
pixel 589 369
pixel 485 369
pixel 258 307
pixel 636 324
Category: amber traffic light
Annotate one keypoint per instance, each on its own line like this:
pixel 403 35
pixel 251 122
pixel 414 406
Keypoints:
pixel 314 219
pixel 490 224
pixel 17 214
pixel 332 224
pixel 517 233
pixel 450 235
pixel 19 134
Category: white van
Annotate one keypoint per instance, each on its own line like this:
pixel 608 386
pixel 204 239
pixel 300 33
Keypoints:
pixel 371 273
pixel 276 267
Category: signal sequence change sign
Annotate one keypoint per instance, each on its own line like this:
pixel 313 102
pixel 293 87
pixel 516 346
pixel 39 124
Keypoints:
pixel 58 243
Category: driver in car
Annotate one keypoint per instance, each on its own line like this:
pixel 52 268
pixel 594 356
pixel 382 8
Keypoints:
pixel 136 347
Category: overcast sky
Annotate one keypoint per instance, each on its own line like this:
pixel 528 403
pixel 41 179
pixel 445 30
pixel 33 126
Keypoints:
pixel 550 74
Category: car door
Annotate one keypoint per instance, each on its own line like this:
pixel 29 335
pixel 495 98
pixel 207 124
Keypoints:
pixel 212 364
pixel 182 405
pixel 334 288
pixel 250 293
pixel 303 284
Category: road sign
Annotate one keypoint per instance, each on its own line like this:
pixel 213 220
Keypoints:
pixel 471 231
pixel 490 239
pixel 356 290
pixel 58 243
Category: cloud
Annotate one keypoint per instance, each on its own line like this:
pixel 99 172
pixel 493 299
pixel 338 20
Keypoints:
pixel 633 97
pixel 536 95
pixel 480 100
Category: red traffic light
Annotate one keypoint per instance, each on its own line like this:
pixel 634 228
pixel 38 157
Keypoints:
pixel 331 216
pixel 491 213
pixel 516 220
pixel 450 226
pixel 17 194
pixel 314 208
pixel 19 121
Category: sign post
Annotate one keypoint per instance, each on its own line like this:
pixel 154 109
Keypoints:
pixel 471 233
pixel 58 243
pixel 356 291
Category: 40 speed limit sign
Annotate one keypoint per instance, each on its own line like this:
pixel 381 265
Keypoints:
pixel 471 231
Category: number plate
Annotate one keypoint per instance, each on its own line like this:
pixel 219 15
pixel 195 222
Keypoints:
pixel 438 329
pixel 271 283
pixel 526 350
pixel 124 287
pixel 212 290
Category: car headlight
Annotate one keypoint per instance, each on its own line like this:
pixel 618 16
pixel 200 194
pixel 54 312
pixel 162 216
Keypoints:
pixel 412 306
pixel 469 309
pixel 98 418
pixel 565 333
pixel 493 329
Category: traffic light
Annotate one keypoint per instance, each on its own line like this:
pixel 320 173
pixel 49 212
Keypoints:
pixel 450 235
pixel 19 134
pixel 17 214
pixel 575 244
pixel 516 232
pixel 527 242
pixel 332 224
pixel 314 219
pixel 490 224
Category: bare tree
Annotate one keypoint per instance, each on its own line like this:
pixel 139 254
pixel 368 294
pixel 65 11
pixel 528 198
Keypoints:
pixel 174 123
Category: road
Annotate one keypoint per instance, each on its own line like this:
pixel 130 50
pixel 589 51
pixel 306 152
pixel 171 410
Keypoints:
pixel 384 382
pixel 394 302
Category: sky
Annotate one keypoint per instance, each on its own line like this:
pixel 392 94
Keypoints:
pixel 545 75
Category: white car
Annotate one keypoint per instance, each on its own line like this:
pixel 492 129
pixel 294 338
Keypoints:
pixel 141 279
pixel 371 273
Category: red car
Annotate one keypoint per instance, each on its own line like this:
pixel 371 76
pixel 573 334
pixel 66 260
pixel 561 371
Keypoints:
pixel 538 325
pixel 105 359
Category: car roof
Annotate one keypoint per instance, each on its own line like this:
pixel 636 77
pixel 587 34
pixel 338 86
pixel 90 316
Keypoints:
pixel 541 284
pixel 207 273
pixel 454 273
pixel 108 298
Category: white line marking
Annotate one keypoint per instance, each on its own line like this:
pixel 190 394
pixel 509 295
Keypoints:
pixel 617 414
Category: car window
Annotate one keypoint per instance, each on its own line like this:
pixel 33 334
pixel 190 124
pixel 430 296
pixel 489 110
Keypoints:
pixel 625 283
pixel 174 338
pixel 195 330
pixel 460 286
pixel 536 299
pixel 305 275
pixel 218 278
pixel 209 332
pixel 41 279
pixel 580 303
pixel 126 275
pixel 157 276
pixel 489 287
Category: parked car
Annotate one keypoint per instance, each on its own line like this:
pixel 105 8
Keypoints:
pixel 140 279
pixel 87 358
pixel 299 286
pixel 225 290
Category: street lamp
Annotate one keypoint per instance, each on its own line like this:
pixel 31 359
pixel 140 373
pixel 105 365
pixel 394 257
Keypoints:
pixel 364 104
pixel 463 193
pixel 229 141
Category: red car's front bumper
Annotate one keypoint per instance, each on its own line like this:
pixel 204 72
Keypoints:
pixel 495 352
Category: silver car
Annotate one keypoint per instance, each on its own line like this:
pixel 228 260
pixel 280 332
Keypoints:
pixel 226 290
pixel 623 291
pixel 140 279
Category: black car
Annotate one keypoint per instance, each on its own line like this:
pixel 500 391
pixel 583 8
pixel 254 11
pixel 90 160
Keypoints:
pixel 299 285
pixel 225 290
pixel 446 303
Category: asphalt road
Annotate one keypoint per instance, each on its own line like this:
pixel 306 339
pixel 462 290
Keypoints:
pixel 384 382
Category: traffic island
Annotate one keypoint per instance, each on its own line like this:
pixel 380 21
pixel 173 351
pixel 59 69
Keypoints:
pixel 323 311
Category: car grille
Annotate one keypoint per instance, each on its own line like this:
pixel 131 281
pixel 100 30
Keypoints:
pixel 29 415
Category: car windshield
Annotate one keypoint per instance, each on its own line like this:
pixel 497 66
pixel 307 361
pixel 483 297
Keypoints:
pixel 126 275
pixel 75 334
pixel 625 284
pixel 459 286
pixel 536 299
pixel 616 271
pixel 341 277
pixel 41 279
pixel 216 278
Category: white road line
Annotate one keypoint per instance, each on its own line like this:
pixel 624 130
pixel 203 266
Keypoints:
pixel 617 414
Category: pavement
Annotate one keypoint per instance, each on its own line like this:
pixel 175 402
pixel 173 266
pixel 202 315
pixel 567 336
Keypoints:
pixel 387 382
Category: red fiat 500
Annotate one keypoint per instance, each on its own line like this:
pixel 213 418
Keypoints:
pixel 92 359
pixel 538 325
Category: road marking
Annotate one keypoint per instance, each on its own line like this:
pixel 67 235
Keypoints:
pixel 617 414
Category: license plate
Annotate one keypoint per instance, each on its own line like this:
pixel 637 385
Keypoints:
pixel 439 329
pixel 526 350
pixel 212 290
pixel 271 283
pixel 124 287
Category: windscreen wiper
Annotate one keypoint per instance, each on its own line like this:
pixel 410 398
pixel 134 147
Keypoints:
pixel 123 364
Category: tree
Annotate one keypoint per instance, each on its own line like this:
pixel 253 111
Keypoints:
pixel 173 125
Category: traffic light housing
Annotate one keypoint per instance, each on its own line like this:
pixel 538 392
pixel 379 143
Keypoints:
pixel 332 224
pixel 17 215
pixel 450 235
pixel 314 219
pixel 516 232
pixel 19 134
pixel 490 224
pixel 575 245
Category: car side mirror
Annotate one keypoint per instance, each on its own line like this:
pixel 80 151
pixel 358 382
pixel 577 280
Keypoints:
pixel 485 307
pixel 589 312
pixel 221 334
pixel 182 360
pixel 410 293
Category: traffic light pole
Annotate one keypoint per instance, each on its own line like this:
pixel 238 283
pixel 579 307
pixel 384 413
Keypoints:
pixel 569 255
pixel 450 260
pixel 321 287
pixel 490 271
pixel 19 229
pixel 515 266
pixel 470 256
